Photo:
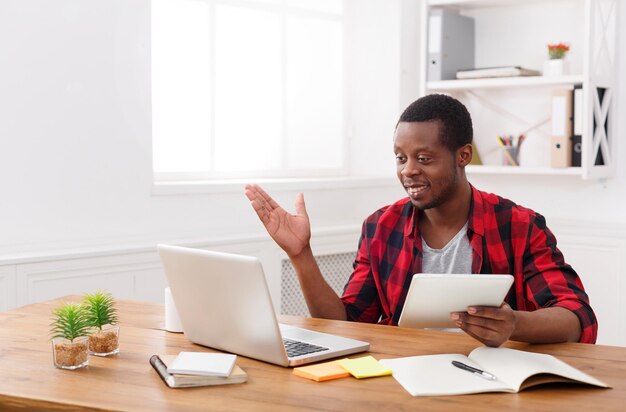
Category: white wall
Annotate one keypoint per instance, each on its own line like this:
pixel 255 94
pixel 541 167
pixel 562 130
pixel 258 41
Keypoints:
pixel 75 130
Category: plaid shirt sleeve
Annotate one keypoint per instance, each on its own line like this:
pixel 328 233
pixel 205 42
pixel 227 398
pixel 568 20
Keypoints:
pixel 383 266
pixel 549 281
pixel 360 295
pixel 517 241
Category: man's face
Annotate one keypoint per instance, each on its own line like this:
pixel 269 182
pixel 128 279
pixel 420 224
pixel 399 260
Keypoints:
pixel 426 169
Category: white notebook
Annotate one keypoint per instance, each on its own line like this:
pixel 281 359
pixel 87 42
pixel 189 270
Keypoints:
pixel 203 363
pixel 513 370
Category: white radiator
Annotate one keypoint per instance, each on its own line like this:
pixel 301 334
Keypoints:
pixel 336 269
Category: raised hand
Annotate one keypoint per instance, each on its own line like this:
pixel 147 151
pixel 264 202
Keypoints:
pixel 291 232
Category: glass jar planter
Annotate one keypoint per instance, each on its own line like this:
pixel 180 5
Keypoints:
pixel 70 354
pixel 105 341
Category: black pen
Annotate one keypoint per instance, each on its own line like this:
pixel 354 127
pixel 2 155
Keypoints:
pixel 478 372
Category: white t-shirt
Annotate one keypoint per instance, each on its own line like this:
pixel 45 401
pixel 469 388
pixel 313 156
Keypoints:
pixel 455 257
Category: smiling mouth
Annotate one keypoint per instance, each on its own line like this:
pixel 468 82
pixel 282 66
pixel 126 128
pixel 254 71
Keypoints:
pixel 415 191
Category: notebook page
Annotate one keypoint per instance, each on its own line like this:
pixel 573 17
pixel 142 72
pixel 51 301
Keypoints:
pixel 515 366
pixel 434 375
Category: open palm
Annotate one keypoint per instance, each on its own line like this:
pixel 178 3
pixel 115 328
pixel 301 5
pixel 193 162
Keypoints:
pixel 291 232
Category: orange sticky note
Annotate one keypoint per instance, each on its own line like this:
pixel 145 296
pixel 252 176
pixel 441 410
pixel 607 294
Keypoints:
pixel 322 371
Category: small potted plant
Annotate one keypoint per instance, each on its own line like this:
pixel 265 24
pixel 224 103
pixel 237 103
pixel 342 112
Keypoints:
pixel 70 334
pixel 558 50
pixel 102 318
pixel 555 65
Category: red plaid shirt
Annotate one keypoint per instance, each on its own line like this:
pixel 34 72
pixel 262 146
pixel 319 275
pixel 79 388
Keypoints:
pixel 505 238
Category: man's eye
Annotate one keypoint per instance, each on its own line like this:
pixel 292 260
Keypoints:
pixel 423 159
pixel 400 158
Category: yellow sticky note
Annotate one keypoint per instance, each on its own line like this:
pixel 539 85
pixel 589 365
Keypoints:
pixel 322 371
pixel 365 367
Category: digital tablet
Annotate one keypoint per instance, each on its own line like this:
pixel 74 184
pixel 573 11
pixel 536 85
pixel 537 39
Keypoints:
pixel 432 297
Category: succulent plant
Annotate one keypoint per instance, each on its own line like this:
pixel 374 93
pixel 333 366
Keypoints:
pixel 70 322
pixel 100 308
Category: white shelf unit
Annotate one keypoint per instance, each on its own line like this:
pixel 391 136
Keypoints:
pixel 516 33
pixel 511 170
pixel 496 82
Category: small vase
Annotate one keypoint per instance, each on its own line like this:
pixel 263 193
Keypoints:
pixel 70 354
pixel 105 341
pixel 555 67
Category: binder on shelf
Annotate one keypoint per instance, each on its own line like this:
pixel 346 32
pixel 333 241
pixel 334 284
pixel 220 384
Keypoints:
pixel 561 142
pixel 450 44
pixel 577 151
pixel 577 112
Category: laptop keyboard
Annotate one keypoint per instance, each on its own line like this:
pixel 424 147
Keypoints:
pixel 296 348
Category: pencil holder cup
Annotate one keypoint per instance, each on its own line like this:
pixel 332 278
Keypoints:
pixel 509 156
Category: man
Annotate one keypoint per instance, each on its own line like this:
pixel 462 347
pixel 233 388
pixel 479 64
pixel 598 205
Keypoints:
pixel 445 225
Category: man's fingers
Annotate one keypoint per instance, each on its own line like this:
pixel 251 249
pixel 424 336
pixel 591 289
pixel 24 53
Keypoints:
pixel 491 312
pixel 262 201
pixel 300 207
pixel 254 193
pixel 472 334
pixel 486 336
pixel 485 330
pixel 490 325
pixel 259 204
pixel 260 210
pixel 250 194
pixel 485 323
pixel 271 203
pixel 463 319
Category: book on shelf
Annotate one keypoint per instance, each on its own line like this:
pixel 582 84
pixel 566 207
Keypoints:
pixel 174 380
pixel 503 370
pixel 503 71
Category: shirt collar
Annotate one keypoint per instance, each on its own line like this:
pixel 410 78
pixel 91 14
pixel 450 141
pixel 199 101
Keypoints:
pixel 476 213
pixel 410 228
pixel 475 220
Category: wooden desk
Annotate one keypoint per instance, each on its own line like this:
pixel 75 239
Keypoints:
pixel 128 382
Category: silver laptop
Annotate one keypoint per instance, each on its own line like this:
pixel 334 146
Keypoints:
pixel 224 303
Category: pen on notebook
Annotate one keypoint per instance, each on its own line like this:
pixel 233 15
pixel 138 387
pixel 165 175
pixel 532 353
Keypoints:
pixel 482 374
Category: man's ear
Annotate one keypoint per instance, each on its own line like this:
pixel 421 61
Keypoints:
pixel 464 155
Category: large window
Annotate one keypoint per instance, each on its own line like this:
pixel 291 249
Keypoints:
pixel 247 88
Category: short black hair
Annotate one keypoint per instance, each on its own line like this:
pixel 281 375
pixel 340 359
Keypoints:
pixel 456 130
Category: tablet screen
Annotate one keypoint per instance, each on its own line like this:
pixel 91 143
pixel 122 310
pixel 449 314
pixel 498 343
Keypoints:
pixel 432 297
